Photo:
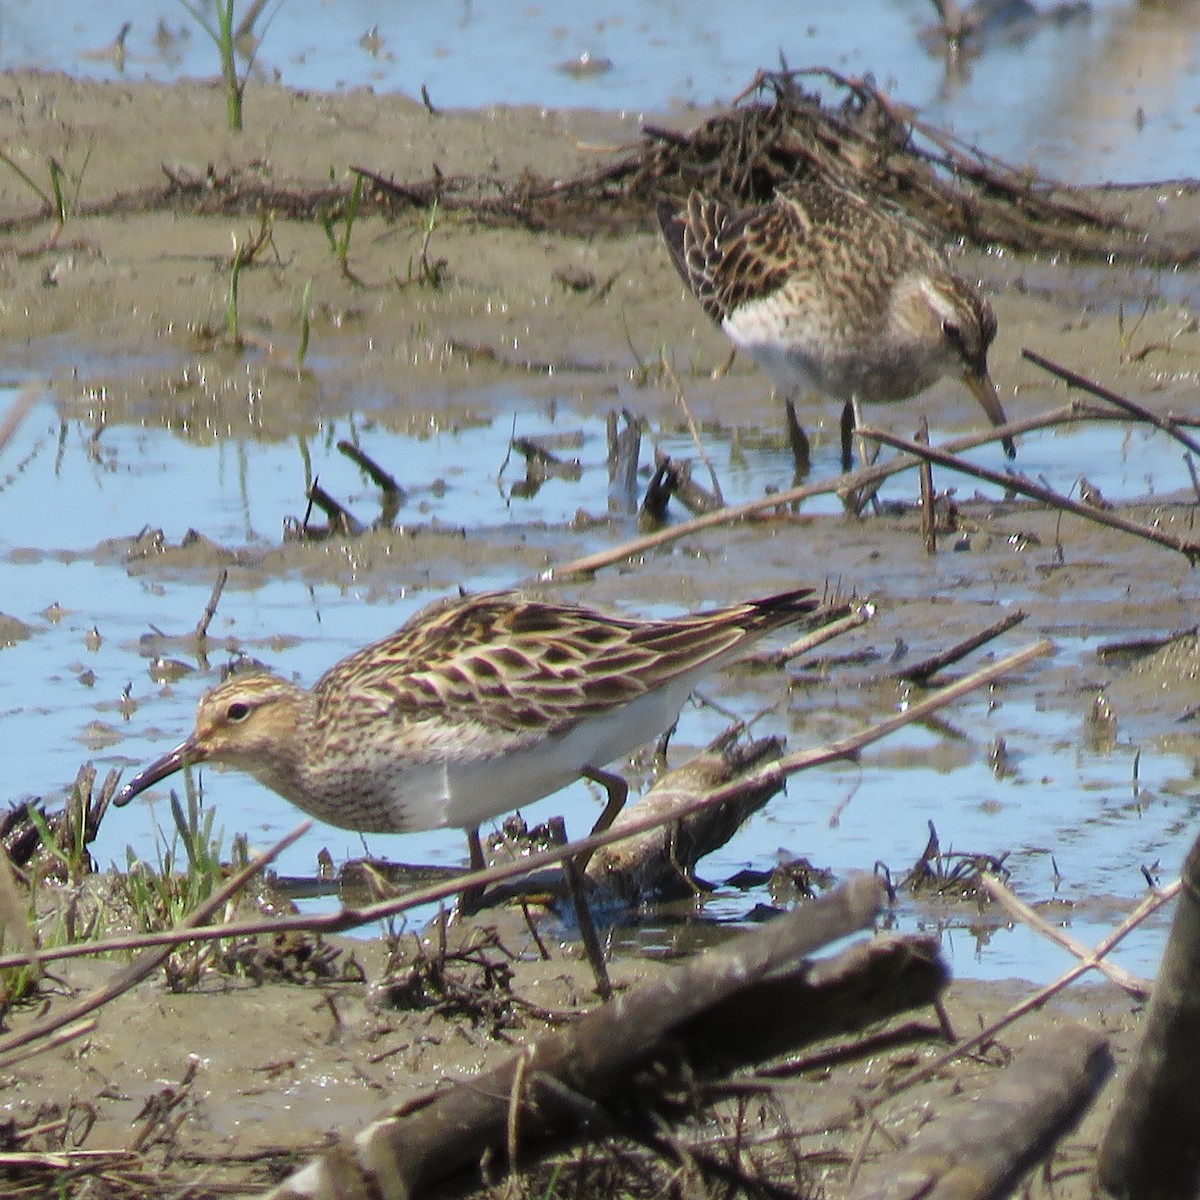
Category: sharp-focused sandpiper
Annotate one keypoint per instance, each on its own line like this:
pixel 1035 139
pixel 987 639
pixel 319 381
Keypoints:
pixel 476 706
pixel 827 291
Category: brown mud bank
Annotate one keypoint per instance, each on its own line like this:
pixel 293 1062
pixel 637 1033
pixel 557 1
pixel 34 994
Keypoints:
pixel 477 265
pixel 473 283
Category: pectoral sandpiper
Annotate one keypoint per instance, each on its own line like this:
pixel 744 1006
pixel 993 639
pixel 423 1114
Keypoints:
pixel 829 292
pixel 473 708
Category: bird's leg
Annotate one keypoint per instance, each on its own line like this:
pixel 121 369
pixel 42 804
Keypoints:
pixel 847 434
pixel 469 897
pixel 475 849
pixel 865 456
pixel 852 420
pixel 798 440
pixel 723 370
pixel 618 792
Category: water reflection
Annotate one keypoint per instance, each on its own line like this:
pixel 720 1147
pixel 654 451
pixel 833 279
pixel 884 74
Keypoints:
pixel 1105 98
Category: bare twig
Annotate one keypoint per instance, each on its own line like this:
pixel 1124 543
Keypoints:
pixel 681 400
pixel 779 501
pixel 1019 483
pixel 53 1042
pixel 928 516
pixel 384 480
pixel 922 671
pixel 210 609
pixel 1150 905
pixel 1075 380
pixel 860 615
pixel 1138 988
pixel 849 746
pixel 341 520
pixel 583 914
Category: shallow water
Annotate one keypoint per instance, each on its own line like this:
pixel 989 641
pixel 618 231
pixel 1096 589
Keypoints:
pixel 81 685
pixel 1108 96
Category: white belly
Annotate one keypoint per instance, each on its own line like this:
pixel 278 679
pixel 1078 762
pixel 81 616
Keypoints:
pixel 473 782
pixel 473 792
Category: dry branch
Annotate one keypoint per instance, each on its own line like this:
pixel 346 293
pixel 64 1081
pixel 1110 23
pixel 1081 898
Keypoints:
pixel 864 984
pixel 1139 989
pixel 1150 905
pixel 1140 411
pixel 210 608
pixel 983 1145
pixel 921 672
pixel 776 502
pixel 401 1155
pixel 1035 491
pixel 855 616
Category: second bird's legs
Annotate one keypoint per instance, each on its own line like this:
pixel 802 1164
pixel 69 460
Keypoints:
pixel 852 420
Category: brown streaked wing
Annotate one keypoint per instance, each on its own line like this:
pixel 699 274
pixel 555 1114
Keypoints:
pixel 762 250
pixel 727 257
pixel 499 660
pixel 515 664
pixel 826 209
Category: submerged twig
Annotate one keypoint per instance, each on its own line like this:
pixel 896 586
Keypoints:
pixel 922 671
pixel 341 520
pixel 681 400
pixel 382 479
pixel 996 888
pixel 210 609
pixel 779 501
pixel 1150 905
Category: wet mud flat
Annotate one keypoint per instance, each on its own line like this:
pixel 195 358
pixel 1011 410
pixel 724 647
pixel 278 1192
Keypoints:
pixel 455 315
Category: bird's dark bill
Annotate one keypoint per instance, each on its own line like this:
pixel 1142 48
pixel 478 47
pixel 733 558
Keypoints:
pixel 176 760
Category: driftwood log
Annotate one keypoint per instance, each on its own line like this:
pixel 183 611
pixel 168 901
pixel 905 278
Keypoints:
pixel 982 1146
pixel 658 863
pixel 868 982
pixel 549 1083
pixel 1151 1149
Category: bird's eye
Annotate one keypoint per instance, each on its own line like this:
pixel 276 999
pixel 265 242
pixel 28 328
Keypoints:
pixel 239 710
pixel 952 332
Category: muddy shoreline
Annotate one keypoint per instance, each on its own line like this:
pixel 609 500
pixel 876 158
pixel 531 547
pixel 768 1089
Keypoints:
pixel 121 314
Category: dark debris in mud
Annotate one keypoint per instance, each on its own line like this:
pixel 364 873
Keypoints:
pixel 952 873
pixel 779 129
